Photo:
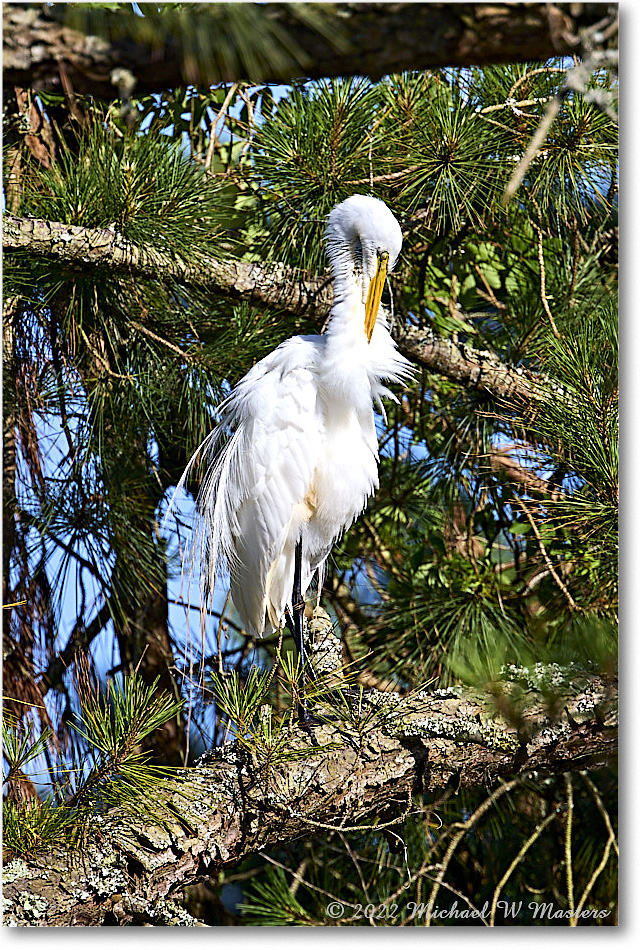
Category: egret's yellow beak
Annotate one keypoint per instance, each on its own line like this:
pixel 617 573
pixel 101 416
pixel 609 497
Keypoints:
pixel 375 290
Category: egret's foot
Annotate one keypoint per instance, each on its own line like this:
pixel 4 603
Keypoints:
pixel 307 721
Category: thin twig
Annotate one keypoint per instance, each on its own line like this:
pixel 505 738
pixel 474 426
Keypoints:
pixel 70 95
pixel 542 282
pixel 219 632
pixel 297 877
pixel 338 828
pixel 567 848
pixel 514 106
pixel 532 72
pixel 357 867
pixel 549 564
pixel 250 122
pixel 213 136
pixel 603 812
pixel 594 876
pixel 462 897
pixel 516 860
pixel 533 147
pixel 102 359
pixel 308 884
pixel 160 339
pixel 390 176
pixel 466 826
pixel 489 290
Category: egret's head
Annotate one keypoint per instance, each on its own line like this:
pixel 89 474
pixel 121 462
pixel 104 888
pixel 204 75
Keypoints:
pixel 367 230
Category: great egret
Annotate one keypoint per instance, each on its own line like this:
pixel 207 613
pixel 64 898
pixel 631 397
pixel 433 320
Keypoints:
pixel 294 458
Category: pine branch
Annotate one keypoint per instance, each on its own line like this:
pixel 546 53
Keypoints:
pixel 502 463
pixel 278 286
pixel 475 369
pixel 372 39
pixel 230 805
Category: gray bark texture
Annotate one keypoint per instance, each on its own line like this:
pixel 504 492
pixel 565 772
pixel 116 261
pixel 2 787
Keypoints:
pixel 352 773
pixel 279 287
pixel 371 39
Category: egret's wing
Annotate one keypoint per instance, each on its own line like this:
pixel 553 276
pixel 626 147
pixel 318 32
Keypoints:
pixel 252 498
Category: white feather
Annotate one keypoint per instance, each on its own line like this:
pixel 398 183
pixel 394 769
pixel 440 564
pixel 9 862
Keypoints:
pixel 302 458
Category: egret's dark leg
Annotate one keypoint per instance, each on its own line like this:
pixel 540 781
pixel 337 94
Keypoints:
pixel 297 612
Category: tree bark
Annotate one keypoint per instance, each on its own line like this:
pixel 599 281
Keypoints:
pixel 235 803
pixel 369 39
pixel 280 287
pixel 474 369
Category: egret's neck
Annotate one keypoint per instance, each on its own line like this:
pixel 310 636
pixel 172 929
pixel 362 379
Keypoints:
pixel 347 319
pixel 349 359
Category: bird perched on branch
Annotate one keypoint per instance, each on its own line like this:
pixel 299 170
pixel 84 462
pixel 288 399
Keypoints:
pixel 294 458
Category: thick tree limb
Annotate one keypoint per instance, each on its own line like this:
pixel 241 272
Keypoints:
pixel 475 369
pixel 280 287
pixel 233 804
pixel 376 39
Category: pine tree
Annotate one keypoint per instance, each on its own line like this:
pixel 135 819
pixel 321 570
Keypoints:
pixel 490 549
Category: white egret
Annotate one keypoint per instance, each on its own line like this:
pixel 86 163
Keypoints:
pixel 295 456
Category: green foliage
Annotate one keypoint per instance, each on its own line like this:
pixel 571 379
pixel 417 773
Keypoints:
pixel 582 443
pixel 275 905
pixel 443 606
pixel 20 746
pixel 141 186
pixel 132 368
pixel 259 730
pixel 352 711
pixel 241 701
pixel 113 723
pixel 313 153
pixel 35 825
pixel 452 162
pixel 269 737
